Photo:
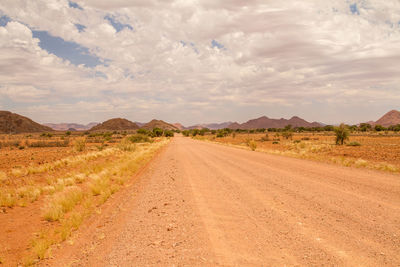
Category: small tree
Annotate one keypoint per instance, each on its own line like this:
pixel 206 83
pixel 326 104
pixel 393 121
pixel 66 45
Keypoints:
pixel 168 133
pixel 158 132
pixel 342 134
pixel 379 128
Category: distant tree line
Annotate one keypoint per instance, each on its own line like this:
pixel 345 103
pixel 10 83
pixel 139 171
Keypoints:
pixel 363 127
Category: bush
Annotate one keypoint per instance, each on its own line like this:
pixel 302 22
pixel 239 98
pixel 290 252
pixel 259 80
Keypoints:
pixel 139 138
pixel 158 132
pixel 342 134
pixel 353 144
pixel 275 142
pixel 379 128
pixel 169 133
pixel 126 145
pixel 80 144
pixel 64 143
pixel 252 144
pixel 287 135
pixel 49 135
pixel 144 132
pixel 10 144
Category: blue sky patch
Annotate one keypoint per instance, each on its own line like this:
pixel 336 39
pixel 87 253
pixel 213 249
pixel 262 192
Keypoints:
pixel 70 51
pixel 217 45
pixel 100 74
pixel 4 20
pixel 74 5
pixel 354 9
pixel 118 26
pixel 80 27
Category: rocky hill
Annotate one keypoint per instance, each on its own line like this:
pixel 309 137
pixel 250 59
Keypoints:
pixel 14 123
pixel 390 118
pixel 159 124
pixel 265 122
pixel 116 124
pixel 179 126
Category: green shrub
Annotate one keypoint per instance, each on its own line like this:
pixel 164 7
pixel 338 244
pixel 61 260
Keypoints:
pixel 275 142
pixel 158 132
pixel 287 135
pixel 342 134
pixel 139 138
pixel 144 132
pixel 169 133
pixel 354 144
pixel 220 134
pixel 64 143
pixel 10 144
pixel 49 135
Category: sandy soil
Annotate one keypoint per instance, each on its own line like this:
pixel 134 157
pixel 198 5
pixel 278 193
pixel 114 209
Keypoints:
pixel 210 205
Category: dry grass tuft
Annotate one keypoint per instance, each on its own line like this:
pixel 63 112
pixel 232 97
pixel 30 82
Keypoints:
pixel 62 203
pixel 7 198
pixel 126 145
pixel 3 177
pixel 40 246
pixel 80 144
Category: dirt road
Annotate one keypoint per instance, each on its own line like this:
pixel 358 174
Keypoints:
pixel 202 204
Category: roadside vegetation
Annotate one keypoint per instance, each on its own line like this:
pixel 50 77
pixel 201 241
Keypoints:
pixel 362 146
pixel 85 171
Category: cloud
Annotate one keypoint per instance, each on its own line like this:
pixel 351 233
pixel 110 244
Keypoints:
pixel 212 60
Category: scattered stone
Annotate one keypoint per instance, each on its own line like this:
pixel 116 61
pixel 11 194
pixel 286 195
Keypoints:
pixel 153 208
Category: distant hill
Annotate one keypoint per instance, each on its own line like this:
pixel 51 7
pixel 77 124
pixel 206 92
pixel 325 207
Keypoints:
pixel 69 126
pixel 265 122
pixel 390 118
pixel 179 126
pixel 211 126
pixel 140 124
pixel 159 124
pixel 14 123
pixel 116 124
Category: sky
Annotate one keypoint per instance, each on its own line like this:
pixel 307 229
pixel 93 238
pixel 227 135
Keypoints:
pixel 199 61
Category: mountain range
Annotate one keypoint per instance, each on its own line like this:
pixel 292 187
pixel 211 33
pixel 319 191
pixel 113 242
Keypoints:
pixel 70 126
pixel 15 123
pixel 211 126
pixel 265 122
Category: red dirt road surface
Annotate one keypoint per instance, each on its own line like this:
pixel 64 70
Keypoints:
pixel 203 204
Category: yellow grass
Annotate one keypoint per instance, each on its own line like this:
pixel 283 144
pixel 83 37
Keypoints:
pixel 80 144
pixel 71 204
pixel 62 202
pixel 3 177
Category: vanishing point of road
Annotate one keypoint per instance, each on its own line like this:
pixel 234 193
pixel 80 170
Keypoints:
pixel 204 204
